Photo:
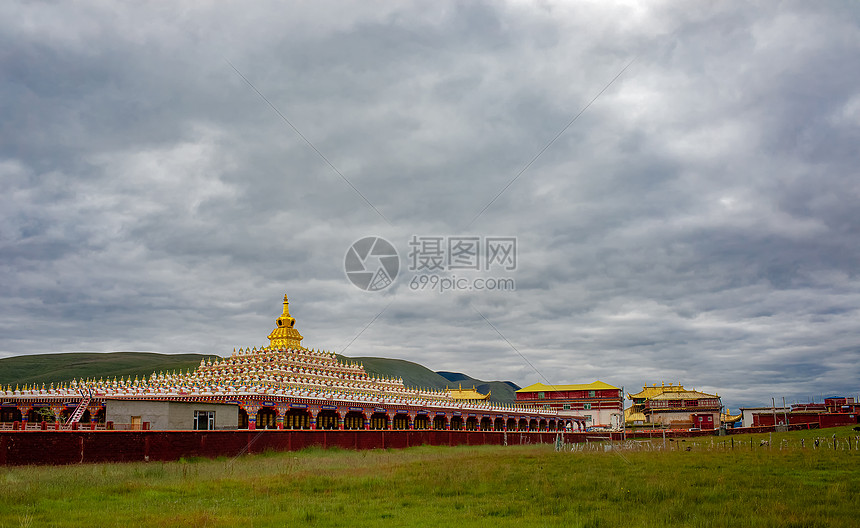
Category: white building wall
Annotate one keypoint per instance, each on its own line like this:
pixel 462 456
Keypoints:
pixel 749 411
pixel 169 416
pixel 605 417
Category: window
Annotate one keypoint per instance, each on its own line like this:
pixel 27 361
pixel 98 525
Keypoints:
pixel 204 420
pixel 136 423
pixel 566 406
pixel 586 406
pixel 591 394
pixel 540 395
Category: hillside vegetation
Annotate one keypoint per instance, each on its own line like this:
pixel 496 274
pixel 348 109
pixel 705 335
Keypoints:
pixel 415 375
pixel 53 368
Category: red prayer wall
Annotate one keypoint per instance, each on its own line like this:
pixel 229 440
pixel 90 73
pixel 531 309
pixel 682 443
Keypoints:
pixel 73 447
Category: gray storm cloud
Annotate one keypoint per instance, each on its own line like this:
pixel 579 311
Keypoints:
pixel 696 223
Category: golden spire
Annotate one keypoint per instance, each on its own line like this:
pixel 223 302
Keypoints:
pixel 285 319
pixel 284 334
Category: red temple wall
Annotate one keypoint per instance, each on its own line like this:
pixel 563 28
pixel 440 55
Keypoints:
pixel 73 447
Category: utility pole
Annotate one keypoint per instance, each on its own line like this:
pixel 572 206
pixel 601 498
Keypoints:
pixel 785 412
pixel 623 420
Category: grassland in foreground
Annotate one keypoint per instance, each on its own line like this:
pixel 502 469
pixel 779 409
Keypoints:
pixel 711 484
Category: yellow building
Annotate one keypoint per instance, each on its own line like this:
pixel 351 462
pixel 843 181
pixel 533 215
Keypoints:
pixel 673 406
pixel 634 415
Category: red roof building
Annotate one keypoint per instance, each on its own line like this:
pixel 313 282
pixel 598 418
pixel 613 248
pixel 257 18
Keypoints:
pixel 600 403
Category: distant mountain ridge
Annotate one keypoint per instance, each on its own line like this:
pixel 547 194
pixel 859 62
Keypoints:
pixel 58 368
pixel 500 391
pixel 416 375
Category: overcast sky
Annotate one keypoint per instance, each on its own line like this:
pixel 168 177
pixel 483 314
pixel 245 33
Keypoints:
pixel 170 170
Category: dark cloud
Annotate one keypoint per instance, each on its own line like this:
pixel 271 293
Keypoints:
pixel 697 223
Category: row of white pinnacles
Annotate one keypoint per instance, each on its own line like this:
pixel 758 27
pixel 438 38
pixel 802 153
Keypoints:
pixel 291 372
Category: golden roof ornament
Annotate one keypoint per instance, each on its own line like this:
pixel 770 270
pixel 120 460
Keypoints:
pixel 285 334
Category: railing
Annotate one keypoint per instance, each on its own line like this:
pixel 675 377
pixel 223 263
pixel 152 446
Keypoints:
pixel 38 426
pixel 51 426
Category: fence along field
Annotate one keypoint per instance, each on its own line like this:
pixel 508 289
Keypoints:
pixel 779 479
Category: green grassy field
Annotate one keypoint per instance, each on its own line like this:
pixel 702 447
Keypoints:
pixel 711 484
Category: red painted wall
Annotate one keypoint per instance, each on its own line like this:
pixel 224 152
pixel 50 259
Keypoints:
pixel 838 419
pixel 762 429
pixel 823 420
pixel 766 419
pixel 73 447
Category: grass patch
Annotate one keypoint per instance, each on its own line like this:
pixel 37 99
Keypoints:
pixel 711 484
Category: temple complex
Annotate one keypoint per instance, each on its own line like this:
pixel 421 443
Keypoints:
pixel 674 406
pixel 282 385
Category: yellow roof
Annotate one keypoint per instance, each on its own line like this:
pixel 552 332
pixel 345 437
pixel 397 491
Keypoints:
pixel 728 417
pixel 467 394
pixel 630 416
pixel 683 395
pixel 655 390
pixel 540 387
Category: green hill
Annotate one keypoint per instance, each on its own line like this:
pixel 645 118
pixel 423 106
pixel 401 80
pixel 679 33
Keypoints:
pixel 53 368
pixel 415 375
pixel 501 391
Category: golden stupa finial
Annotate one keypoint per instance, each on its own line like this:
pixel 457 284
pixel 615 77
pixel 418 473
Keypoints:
pixel 285 335
pixel 285 319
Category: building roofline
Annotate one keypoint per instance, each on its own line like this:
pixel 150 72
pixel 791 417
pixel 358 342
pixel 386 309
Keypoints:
pixel 541 387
